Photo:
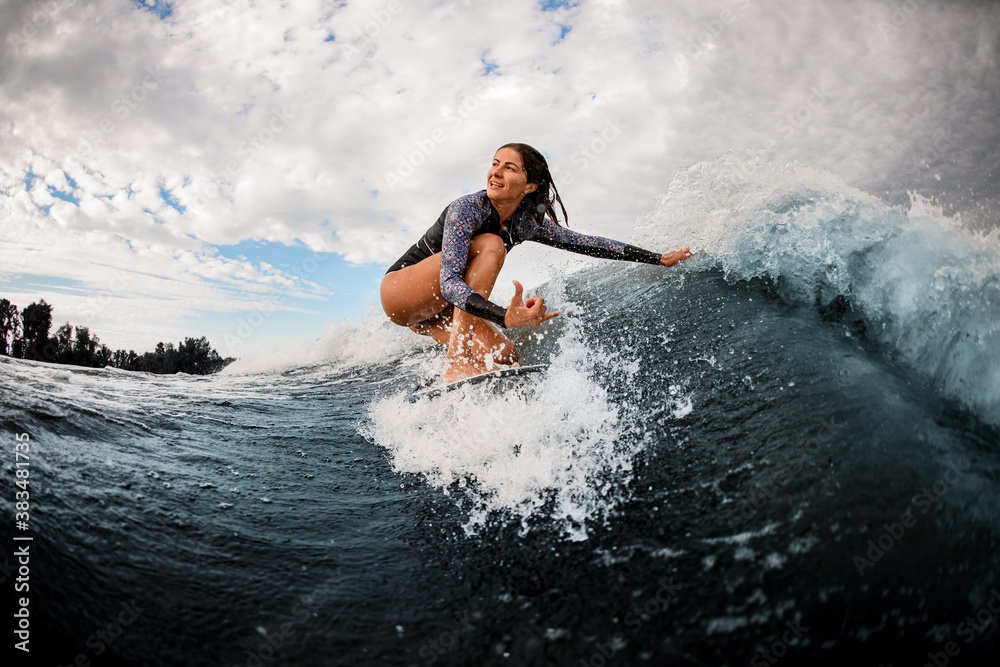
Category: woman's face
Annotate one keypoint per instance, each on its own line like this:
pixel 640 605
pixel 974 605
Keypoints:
pixel 506 181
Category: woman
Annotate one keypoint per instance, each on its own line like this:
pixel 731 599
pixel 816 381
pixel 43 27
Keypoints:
pixel 440 287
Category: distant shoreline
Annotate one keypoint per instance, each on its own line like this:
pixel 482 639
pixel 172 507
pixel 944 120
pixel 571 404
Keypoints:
pixel 25 335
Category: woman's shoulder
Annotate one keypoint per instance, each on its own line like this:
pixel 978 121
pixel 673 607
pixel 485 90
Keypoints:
pixel 474 203
pixel 476 198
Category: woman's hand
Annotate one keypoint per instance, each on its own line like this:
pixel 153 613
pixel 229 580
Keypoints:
pixel 523 313
pixel 671 258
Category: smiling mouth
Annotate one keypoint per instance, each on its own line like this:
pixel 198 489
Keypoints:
pixel 494 184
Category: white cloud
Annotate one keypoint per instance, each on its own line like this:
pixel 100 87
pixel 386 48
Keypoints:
pixel 250 119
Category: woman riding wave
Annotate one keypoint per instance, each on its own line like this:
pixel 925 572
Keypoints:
pixel 440 287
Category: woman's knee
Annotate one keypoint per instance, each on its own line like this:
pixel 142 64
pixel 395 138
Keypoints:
pixel 412 294
pixel 386 296
pixel 488 246
pixel 394 303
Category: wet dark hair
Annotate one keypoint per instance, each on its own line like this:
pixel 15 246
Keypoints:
pixel 542 201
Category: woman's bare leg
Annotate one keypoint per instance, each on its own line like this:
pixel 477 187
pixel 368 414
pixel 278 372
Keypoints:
pixel 412 294
pixel 411 297
pixel 438 328
pixel 474 342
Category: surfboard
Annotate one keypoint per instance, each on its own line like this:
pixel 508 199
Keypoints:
pixel 492 378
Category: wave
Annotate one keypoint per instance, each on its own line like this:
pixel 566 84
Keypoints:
pixel 559 448
pixel 923 288
pixel 917 282
pixel 342 346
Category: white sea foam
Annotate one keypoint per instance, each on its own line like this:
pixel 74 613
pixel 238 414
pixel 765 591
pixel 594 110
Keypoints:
pixel 342 346
pixel 560 445
pixel 926 287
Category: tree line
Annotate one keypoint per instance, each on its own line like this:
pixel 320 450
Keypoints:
pixel 25 335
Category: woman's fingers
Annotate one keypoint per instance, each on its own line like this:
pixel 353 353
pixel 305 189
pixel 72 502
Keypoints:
pixel 518 293
pixel 538 311
pixel 530 312
pixel 671 258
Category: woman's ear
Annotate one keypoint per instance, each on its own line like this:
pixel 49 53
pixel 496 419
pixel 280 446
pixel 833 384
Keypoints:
pixel 530 187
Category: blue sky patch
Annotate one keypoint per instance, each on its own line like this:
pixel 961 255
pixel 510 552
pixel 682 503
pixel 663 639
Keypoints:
pixel 488 67
pixel 158 7
pixel 350 286
pixel 552 5
pixel 171 200
pixel 29 183
pixel 29 282
pixel 65 196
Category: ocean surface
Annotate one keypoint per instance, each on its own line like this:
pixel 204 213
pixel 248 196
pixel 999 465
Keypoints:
pixel 785 450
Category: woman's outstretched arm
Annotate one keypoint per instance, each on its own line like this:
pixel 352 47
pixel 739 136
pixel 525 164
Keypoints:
pixel 553 235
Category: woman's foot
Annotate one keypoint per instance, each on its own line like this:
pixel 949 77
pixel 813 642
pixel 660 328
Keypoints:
pixel 459 369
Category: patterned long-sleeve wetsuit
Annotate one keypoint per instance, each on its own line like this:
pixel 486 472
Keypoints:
pixel 473 214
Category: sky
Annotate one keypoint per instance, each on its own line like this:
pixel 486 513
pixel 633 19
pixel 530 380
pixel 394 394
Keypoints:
pixel 246 170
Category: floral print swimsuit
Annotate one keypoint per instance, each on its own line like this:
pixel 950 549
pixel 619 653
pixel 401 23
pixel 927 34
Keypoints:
pixel 472 215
